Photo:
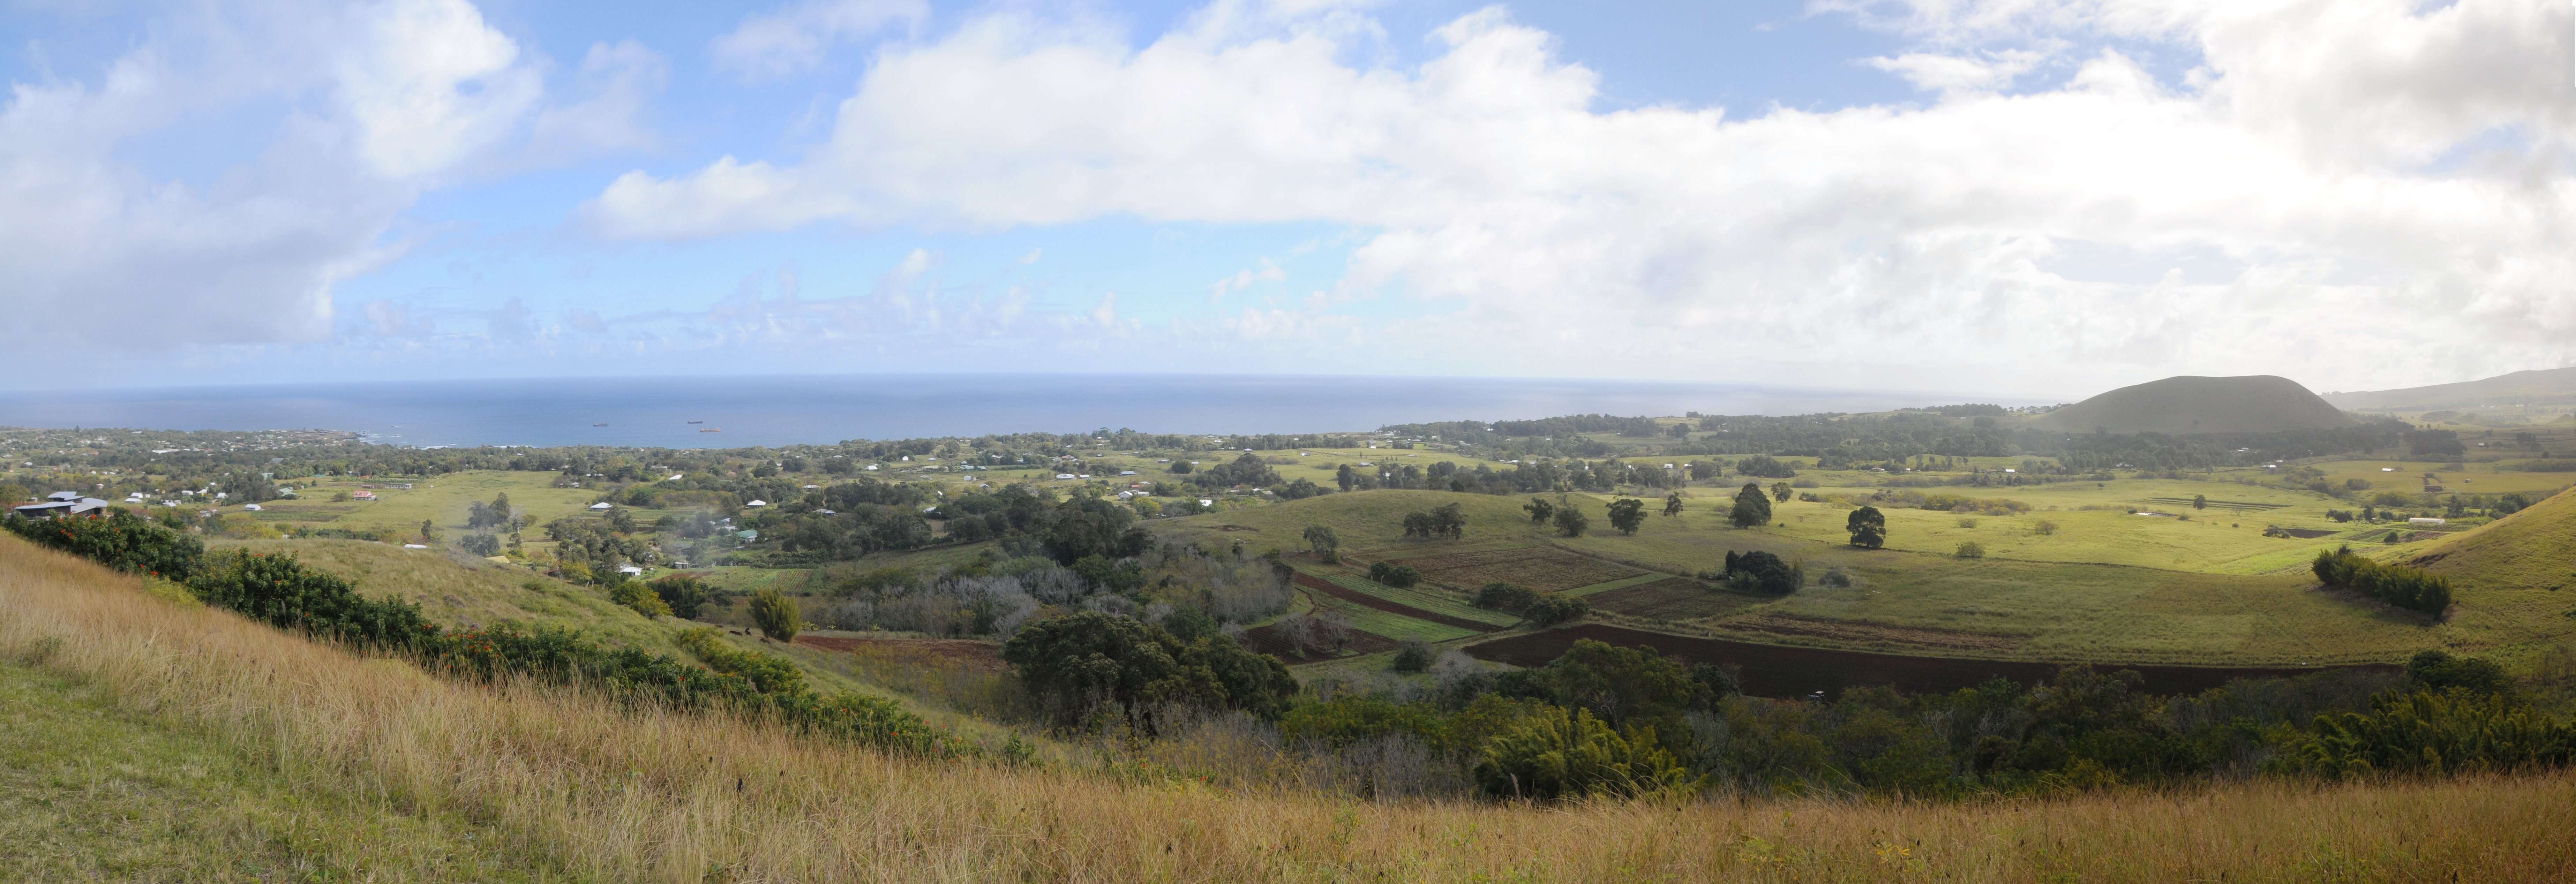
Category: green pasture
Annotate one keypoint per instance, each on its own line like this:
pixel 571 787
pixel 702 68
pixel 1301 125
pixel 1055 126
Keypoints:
pixel 1433 601
pixel 443 500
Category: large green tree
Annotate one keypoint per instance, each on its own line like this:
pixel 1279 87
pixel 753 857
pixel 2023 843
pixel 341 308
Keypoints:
pixel 1752 507
pixel 1627 514
pixel 1091 662
pixel 1868 528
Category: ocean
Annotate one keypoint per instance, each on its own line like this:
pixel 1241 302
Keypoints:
pixel 671 412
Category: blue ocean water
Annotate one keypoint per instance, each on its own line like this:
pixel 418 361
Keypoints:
pixel 820 409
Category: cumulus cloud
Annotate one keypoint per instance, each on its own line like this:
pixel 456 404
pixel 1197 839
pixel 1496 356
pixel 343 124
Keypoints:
pixel 2013 230
pixel 352 112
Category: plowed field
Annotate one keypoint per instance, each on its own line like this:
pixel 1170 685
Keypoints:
pixel 1542 568
pixel 1362 599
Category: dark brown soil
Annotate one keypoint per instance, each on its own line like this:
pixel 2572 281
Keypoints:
pixel 1928 638
pixel 1356 597
pixel 1774 671
pixel 2306 533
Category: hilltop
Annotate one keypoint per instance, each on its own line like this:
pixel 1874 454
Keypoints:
pixel 2552 385
pixel 2523 551
pixel 2192 404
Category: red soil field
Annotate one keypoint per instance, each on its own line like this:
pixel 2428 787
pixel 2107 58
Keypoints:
pixel 1775 671
pixel 1267 640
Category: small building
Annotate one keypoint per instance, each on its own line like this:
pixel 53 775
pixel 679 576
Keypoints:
pixel 755 503
pixel 63 503
pixel 2425 520
pixel 362 494
pixel 250 507
pixel 630 571
pixel 602 505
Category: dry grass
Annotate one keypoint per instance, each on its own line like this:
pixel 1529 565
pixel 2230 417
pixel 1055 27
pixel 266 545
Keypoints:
pixel 577 785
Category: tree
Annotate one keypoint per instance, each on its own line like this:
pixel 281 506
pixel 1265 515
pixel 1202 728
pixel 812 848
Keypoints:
pixel 1505 596
pixel 1760 571
pixel 1552 609
pixel 1627 514
pixel 1752 507
pixel 1571 521
pixel 1868 528
pixel 1673 504
pixel 1539 509
pixel 1087 662
pixel 1780 491
pixel 776 615
pixel 682 593
pixel 1398 576
pixel 2200 501
pixel 1326 546
pixel 1414 655
pixel 639 597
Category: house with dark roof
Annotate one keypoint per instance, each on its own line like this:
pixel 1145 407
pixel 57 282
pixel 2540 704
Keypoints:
pixel 63 503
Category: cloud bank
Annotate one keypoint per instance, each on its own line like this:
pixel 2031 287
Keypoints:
pixel 2362 189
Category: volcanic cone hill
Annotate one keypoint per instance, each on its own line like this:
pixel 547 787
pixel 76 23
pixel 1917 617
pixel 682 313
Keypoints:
pixel 2190 404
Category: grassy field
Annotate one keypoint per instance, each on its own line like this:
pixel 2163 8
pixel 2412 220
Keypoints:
pixel 441 500
pixel 2251 600
pixel 396 776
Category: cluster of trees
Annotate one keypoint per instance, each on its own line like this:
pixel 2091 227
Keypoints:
pixel 1090 667
pixel 991 595
pixel 1761 572
pixel 1446 520
pixel 1569 520
pixel 1605 720
pixel 1542 609
pixel 2398 585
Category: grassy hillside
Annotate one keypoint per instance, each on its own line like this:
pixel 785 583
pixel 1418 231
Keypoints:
pixel 2549 384
pixel 2192 404
pixel 439 780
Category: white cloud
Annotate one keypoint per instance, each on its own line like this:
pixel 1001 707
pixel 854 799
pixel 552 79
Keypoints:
pixel 349 113
pixel 1828 247
pixel 796 39
pixel 1243 279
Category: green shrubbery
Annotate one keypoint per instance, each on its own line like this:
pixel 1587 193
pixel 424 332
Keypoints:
pixel 281 591
pixel 776 615
pixel 120 540
pixel 2397 585
pixel 1086 665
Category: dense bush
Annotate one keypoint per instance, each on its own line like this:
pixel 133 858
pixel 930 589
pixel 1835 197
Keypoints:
pixel 1561 754
pixel 1552 609
pixel 1412 656
pixel 642 598
pixel 120 540
pixel 2427 732
pixel 1502 596
pixel 682 594
pixel 1762 572
pixel 280 591
pixel 1398 576
pixel 1764 466
pixel 2395 584
pixel 776 615
pixel 1085 664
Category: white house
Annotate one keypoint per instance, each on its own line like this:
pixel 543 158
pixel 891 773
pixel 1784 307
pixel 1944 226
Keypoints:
pixel 2421 520
pixel 602 505
pixel 753 503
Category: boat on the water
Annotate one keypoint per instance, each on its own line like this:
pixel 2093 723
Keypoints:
pixel 599 425
pixel 697 422
pixel 712 430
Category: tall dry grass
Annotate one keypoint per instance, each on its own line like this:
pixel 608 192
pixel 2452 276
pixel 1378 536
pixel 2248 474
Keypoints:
pixel 598 792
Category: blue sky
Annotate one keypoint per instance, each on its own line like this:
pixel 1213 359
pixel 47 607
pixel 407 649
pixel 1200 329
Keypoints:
pixel 2031 198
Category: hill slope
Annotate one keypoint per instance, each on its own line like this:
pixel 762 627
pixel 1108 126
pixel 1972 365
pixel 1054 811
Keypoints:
pixel 2191 404
pixel 2544 385
pixel 2523 551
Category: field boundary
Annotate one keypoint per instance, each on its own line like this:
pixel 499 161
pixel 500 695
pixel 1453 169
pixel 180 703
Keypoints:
pixel 1362 599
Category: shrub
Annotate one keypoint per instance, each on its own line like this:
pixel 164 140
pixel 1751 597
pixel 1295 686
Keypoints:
pixel 1967 523
pixel 1559 754
pixel 1090 662
pixel 1413 656
pixel 2397 585
pixel 1351 718
pixel 1752 507
pixel 1552 609
pixel 1505 596
pixel 1571 521
pixel 280 591
pixel 1760 571
pixel 119 540
pixel 2438 670
pixel 2427 732
pixel 1971 550
pixel 639 597
pixel 2044 527
pixel 485 545
pixel 682 594
pixel 776 615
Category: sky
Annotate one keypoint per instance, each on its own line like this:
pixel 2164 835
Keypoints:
pixel 2023 197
